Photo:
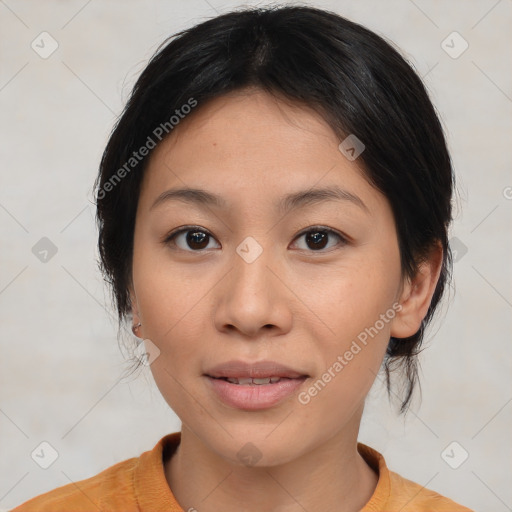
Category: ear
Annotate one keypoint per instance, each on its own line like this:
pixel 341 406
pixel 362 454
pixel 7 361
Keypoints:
pixel 416 295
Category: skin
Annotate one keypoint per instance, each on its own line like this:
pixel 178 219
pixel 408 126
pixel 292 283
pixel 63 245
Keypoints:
pixel 296 305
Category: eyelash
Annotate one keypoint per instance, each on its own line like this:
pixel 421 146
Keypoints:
pixel 170 238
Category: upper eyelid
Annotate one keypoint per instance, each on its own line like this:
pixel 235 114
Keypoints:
pixel 184 229
pixel 320 228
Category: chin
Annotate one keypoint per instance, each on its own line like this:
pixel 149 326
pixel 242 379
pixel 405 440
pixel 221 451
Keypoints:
pixel 257 451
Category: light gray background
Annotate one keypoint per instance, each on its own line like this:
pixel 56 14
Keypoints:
pixel 60 363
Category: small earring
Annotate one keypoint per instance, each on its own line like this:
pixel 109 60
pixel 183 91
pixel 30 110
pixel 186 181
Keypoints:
pixel 135 327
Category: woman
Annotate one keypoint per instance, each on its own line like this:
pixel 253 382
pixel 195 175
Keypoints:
pixel 273 207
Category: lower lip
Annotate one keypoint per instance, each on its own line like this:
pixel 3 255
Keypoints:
pixel 256 396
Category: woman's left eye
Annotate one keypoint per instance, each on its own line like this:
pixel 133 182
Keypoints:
pixel 318 238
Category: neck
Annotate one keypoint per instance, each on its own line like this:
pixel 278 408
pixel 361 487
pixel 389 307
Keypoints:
pixel 332 477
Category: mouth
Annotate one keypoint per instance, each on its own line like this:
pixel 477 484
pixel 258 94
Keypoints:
pixel 257 372
pixel 247 381
pixel 254 386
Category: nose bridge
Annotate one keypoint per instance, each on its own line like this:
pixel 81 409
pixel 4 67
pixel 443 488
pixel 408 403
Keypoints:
pixel 251 276
pixel 252 297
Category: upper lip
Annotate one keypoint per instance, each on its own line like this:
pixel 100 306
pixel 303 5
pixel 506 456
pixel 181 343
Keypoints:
pixel 256 370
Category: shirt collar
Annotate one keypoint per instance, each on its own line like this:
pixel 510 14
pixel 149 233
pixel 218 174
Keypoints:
pixel 153 493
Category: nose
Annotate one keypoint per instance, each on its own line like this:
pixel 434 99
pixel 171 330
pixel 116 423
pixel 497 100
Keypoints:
pixel 252 300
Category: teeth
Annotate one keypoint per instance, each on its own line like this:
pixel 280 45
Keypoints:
pixel 248 381
pixel 261 381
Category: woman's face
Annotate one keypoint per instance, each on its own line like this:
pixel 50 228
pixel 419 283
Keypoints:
pixel 271 279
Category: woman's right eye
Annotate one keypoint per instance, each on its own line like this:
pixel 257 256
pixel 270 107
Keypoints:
pixel 191 239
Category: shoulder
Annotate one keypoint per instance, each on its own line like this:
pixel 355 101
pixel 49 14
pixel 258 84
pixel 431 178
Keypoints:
pixel 113 487
pixel 396 493
pixel 414 497
pixel 132 485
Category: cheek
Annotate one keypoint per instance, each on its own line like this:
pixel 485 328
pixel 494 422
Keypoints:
pixel 171 305
pixel 349 359
pixel 171 299
pixel 358 304
pixel 352 297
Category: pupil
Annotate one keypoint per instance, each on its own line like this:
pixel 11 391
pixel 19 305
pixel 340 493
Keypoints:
pixel 318 238
pixel 195 239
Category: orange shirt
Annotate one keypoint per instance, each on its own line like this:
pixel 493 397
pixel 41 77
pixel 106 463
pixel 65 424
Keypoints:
pixel 139 484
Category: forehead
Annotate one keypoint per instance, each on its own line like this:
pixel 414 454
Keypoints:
pixel 250 122
pixel 254 145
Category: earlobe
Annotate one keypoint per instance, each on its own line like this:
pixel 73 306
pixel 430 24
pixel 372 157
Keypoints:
pixel 136 321
pixel 417 294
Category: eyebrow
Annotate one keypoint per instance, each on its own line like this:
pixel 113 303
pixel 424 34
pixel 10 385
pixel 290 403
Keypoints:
pixel 289 202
